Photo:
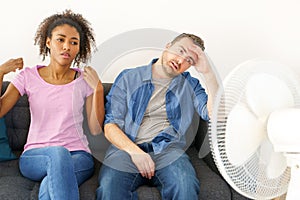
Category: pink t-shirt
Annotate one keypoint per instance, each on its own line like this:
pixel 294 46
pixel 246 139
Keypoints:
pixel 56 110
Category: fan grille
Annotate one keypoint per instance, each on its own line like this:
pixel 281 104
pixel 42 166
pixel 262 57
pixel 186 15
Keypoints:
pixel 249 178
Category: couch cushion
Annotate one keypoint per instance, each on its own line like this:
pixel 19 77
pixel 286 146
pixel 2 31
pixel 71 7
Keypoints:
pixel 17 187
pixel 13 185
pixel 212 186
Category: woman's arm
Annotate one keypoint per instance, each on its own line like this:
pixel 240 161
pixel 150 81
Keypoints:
pixel 95 102
pixel 11 95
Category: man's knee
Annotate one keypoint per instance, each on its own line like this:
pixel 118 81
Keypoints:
pixel 179 180
pixel 181 187
pixel 114 184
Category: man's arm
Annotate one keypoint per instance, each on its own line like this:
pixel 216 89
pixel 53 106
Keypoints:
pixel 212 89
pixel 204 67
pixel 116 109
pixel 142 160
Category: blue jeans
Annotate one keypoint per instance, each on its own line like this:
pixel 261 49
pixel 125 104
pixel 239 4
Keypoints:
pixel 59 170
pixel 176 181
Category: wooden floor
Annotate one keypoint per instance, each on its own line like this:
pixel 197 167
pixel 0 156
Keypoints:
pixel 280 198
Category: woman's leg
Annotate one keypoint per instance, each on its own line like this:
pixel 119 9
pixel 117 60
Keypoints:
pixel 53 166
pixel 83 165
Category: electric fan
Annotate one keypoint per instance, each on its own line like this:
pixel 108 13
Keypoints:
pixel 254 134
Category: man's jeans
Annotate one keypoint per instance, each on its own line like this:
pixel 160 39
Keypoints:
pixel 176 181
pixel 60 171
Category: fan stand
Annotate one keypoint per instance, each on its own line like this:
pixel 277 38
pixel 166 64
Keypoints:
pixel 293 161
pixel 283 131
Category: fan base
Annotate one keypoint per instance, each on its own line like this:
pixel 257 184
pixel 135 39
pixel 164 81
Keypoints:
pixel 293 161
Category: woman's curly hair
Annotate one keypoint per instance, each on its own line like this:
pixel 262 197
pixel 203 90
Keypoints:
pixel 87 40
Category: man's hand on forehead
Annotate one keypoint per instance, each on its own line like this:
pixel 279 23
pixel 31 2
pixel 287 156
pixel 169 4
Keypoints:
pixel 196 52
pixel 202 64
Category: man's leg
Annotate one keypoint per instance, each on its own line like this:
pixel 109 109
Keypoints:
pixel 178 180
pixel 115 184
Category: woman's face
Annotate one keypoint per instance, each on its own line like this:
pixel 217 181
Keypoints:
pixel 64 44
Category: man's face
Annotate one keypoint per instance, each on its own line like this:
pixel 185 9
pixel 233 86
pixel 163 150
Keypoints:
pixel 178 57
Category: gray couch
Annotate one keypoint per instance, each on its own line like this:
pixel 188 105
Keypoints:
pixel 14 186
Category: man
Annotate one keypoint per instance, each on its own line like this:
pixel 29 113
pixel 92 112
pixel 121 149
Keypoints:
pixel 148 113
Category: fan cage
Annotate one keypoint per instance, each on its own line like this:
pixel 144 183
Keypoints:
pixel 250 178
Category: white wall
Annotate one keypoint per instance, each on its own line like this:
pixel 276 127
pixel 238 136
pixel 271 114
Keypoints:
pixel 234 30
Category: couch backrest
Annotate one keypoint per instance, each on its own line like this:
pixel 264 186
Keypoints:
pixel 18 120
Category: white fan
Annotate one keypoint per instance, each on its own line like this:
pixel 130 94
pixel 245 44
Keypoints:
pixel 255 130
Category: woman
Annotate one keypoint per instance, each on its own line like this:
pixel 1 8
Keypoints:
pixel 56 152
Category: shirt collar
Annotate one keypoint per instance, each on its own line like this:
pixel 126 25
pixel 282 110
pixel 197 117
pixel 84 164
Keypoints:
pixel 148 71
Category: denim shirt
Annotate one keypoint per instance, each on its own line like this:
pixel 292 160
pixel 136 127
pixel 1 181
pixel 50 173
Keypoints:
pixel 129 96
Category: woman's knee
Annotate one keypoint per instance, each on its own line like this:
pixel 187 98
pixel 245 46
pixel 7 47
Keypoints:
pixel 58 158
pixel 59 150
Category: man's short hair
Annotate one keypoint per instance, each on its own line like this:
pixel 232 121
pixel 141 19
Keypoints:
pixel 197 40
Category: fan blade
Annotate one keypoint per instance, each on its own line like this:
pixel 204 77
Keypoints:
pixel 244 133
pixel 266 93
pixel 275 162
pixel 283 130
